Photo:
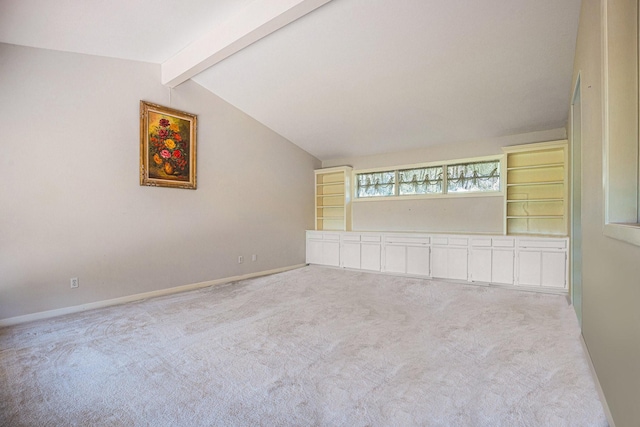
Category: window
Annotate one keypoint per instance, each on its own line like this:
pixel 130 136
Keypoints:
pixel 621 149
pixel 376 184
pixel 420 181
pixel 480 176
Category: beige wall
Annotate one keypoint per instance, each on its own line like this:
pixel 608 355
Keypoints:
pixel 71 204
pixel 450 214
pixel 611 271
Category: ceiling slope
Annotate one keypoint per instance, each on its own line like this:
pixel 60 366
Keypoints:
pixel 353 77
pixel 360 77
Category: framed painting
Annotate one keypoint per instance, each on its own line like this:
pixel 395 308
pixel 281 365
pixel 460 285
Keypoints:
pixel 167 147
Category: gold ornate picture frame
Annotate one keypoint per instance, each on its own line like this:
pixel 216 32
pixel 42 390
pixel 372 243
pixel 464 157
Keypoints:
pixel 167 147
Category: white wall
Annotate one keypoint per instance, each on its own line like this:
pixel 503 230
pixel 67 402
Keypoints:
pixel 450 214
pixel 71 200
pixel 611 271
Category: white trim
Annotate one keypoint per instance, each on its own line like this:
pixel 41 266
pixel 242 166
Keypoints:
pixel 594 375
pixel 629 233
pixel 605 110
pixel 10 321
pixel 577 90
pixel 534 146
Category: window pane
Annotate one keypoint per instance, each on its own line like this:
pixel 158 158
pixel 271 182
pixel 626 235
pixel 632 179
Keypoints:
pixel 482 176
pixel 420 181
pixel 377 184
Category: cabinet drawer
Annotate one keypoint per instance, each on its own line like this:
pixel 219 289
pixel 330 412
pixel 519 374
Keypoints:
pixel 372 239
pixel 350 237
pixel 504 243
pixel 540 243
pixel 458 241
pixel 440 241
pixel 407 240
pixel 331 236
pixel 476 243
pixel 316 235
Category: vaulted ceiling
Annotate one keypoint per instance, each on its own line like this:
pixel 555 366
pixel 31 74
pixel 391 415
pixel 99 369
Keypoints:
pixel 339 78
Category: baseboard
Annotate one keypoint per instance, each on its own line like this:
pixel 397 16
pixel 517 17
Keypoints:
pixel 605 406
pixel 137 297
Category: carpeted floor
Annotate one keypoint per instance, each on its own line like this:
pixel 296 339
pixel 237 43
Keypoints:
pixel 309 347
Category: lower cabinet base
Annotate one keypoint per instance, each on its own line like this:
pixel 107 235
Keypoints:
pixel 537 289
pixel 537 264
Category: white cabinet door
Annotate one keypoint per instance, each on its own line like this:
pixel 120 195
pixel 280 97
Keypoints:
pixel 554 267
pixel 529 268
pixel 449 262
pixel 502 266
pixel 418 260
pixel 351 255
pixel 395 259
pixel 439 262
pixel 458 263
pixel 331 253
pixel 370 256
pixel 481 265
pixel 314 251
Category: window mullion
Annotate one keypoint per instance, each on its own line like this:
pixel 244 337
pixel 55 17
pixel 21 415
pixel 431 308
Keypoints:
pixel 445 179
pixel 396 188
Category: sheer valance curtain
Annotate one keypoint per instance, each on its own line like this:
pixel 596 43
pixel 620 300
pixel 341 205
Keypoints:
pixel 463 177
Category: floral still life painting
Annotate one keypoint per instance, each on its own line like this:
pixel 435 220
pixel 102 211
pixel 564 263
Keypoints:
pixel 167 147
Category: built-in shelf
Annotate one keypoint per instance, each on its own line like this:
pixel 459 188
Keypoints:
pixel 536 189
pixel 535 216
pixel 534 200
pixel 545 165
pixel 341 183
pixel 521 184
pixel 333 203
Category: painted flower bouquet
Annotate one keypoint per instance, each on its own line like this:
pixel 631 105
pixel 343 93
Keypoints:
pixel 167 148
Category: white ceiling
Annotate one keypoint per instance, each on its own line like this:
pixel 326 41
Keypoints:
pixel 353 77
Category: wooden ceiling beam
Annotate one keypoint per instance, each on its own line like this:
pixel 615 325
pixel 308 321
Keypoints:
pixel 258 20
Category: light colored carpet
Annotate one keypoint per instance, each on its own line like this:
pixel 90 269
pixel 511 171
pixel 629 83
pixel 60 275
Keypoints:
pixel 309 347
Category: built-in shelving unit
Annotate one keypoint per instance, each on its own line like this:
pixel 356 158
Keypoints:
pixel 536 189
pixel 333 198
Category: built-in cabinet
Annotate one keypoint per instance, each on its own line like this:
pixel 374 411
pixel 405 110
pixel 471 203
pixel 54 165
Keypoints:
pixel 450 258
pixel 323 248
pixel 534 263
pixel 536 189
pixel 531 254
pixel 542 262
pixel 492 260
pixel 361 251
pixel 333 198
pixel 407 254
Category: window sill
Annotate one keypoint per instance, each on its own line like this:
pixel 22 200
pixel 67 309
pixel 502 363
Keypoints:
pixel 629 233
pixel 429 196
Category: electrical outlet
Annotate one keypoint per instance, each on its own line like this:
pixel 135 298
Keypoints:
pixel 240 259
pixel 254 257
pixel 74 282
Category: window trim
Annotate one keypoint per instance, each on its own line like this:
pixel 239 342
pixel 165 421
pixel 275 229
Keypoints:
pixel 500 193
pixel 618 220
